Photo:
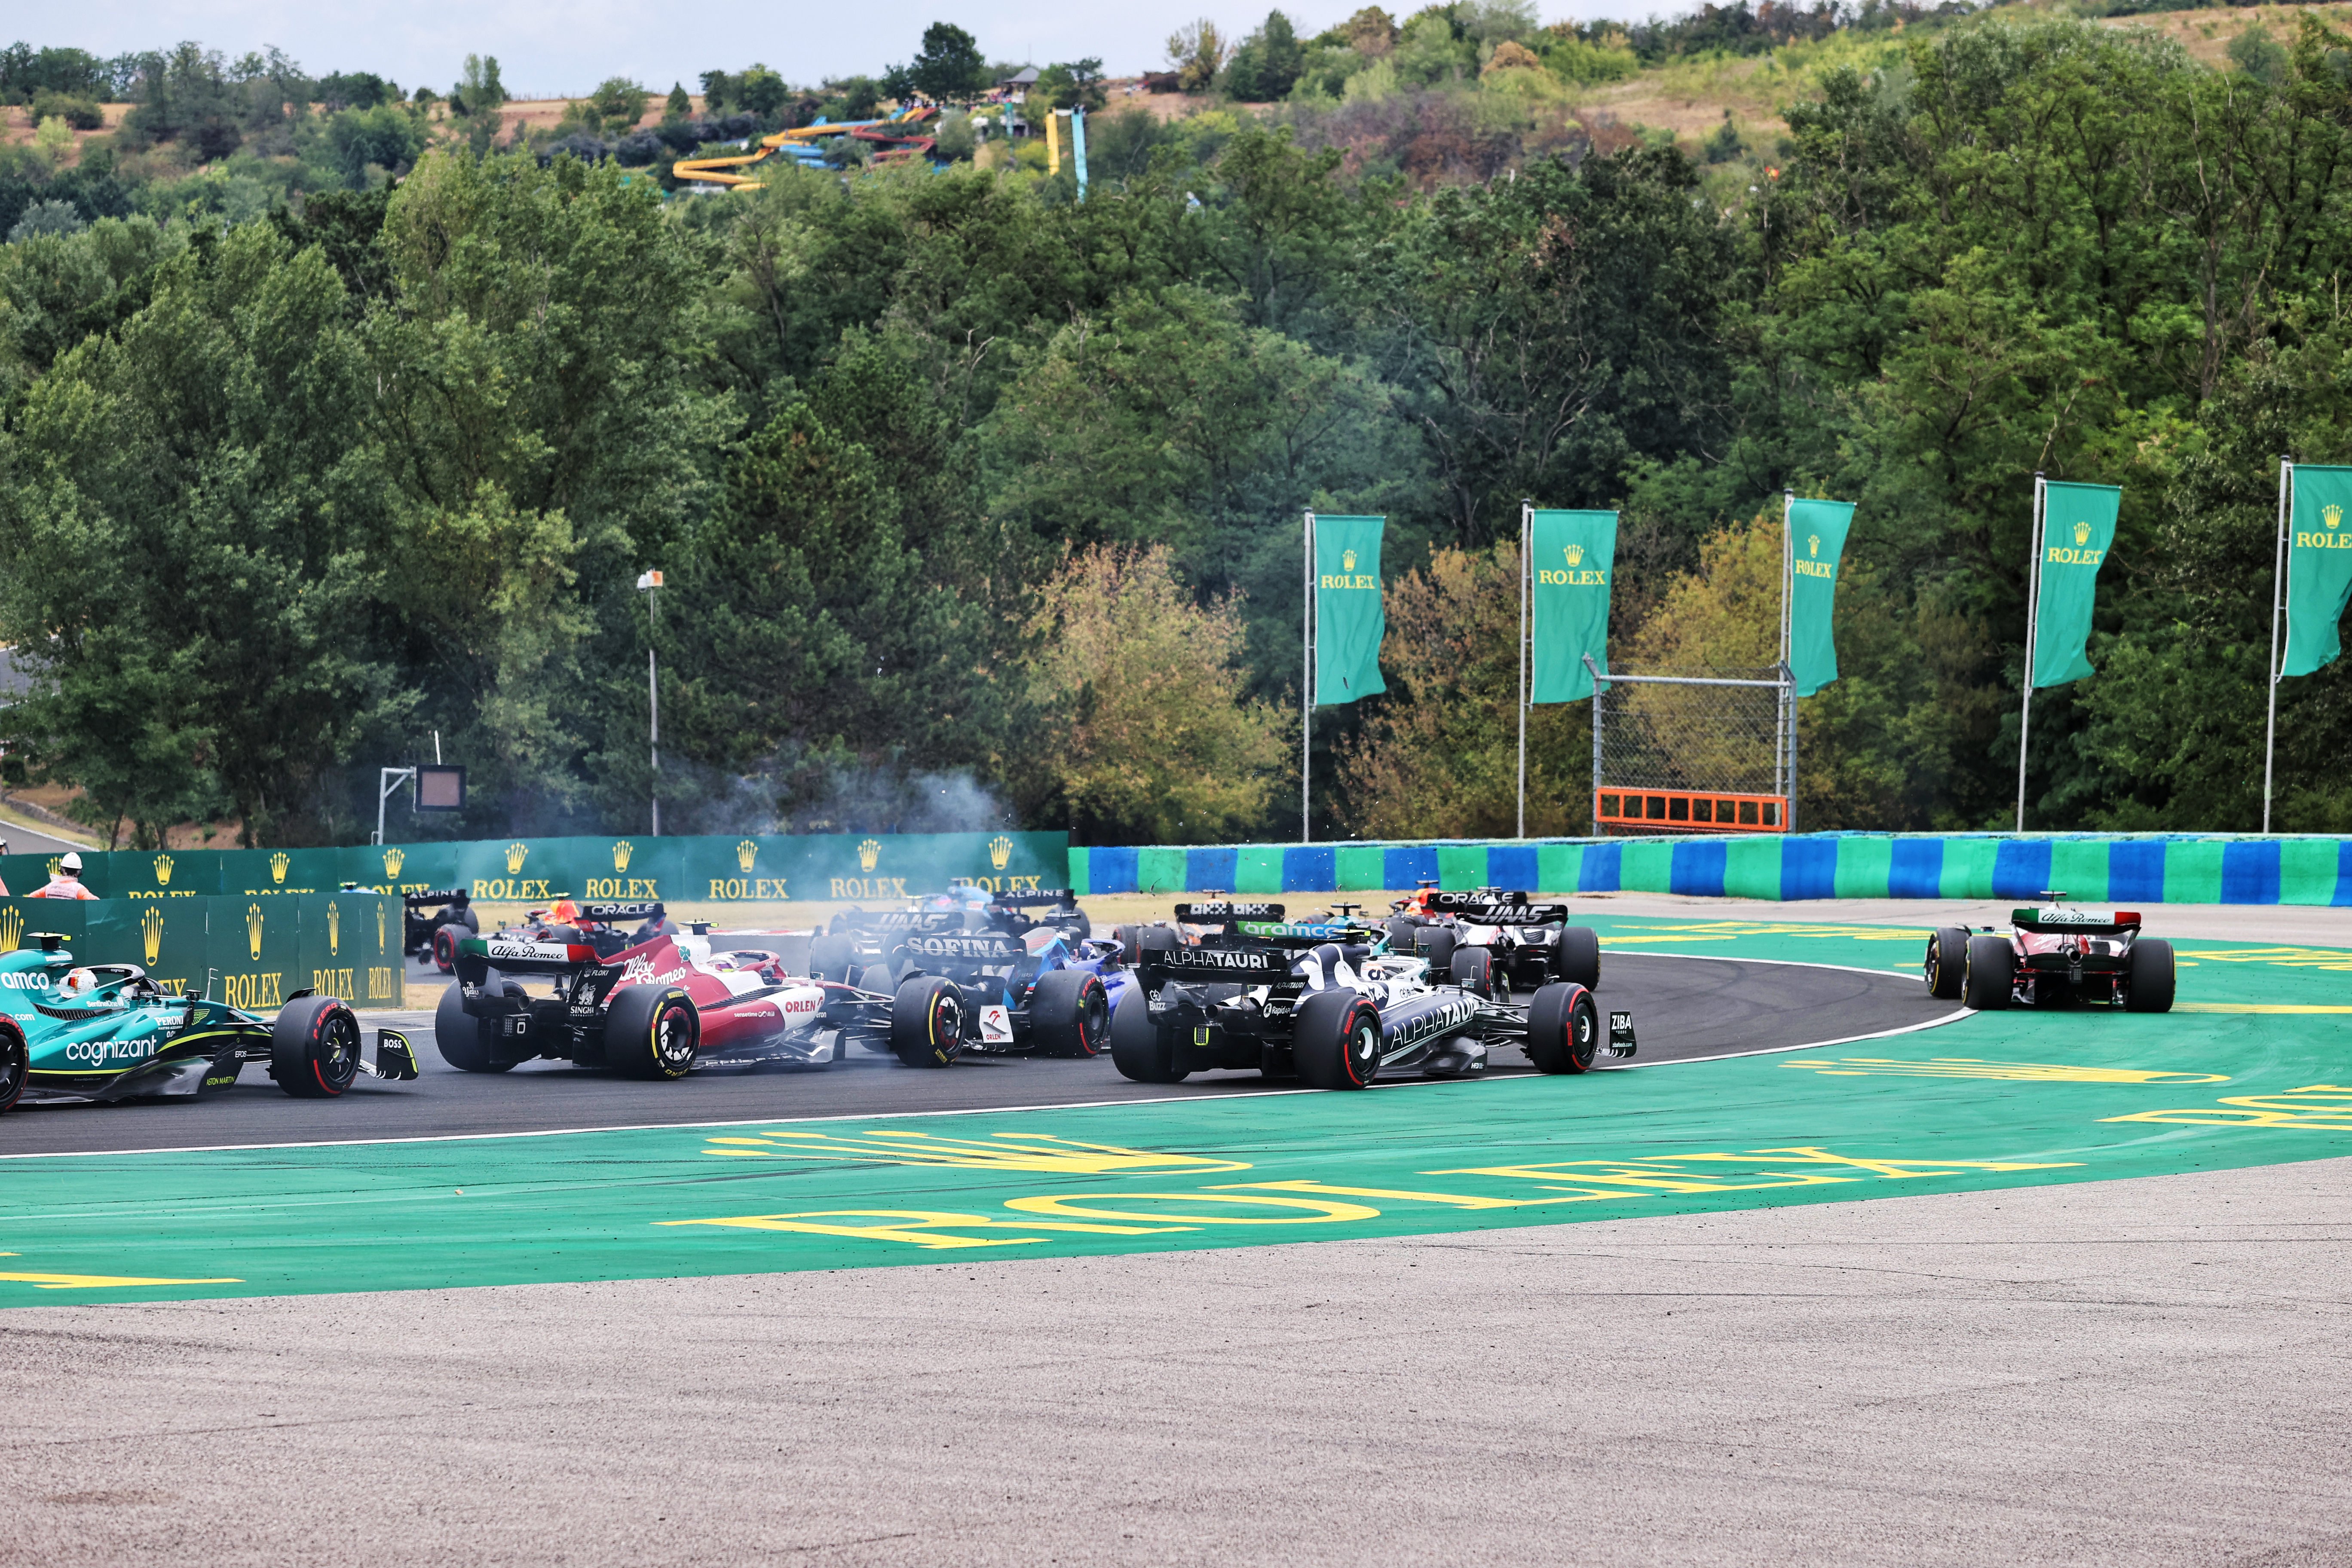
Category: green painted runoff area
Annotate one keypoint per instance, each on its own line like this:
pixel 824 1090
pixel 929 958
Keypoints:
pixel 2249 1071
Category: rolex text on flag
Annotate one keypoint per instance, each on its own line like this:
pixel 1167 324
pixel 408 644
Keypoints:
pixel 1573 554
pixel 2078 528
pixel 2319 567
pixel 1349 620
pixel 1817 530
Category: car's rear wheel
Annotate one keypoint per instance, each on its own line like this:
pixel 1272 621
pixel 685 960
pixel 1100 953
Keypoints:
pixel 1577 956
pixel 1991 974
pixel 466 1042
pixel 1142 1050
pixel 314 1047
pixel 2151 977
pixel 1127 952
pixel 1473 970
pixel 1436 944
pixel 1336 1040
pixel 15 1063
pixel 927 1022
pixel 1563 1029
pixel 652 1032
pixel 1400 931
pixel 1947 964
pixel 1070 1013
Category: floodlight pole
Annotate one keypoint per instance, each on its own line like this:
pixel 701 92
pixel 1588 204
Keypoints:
pixel 2279 570
pixel 388 780
pixel 2032 611
pixel 1527 524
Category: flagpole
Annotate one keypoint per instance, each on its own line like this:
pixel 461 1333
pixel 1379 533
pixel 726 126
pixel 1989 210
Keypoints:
pixel 1788 758
pixel 2032 606
pixel 1306 710
pixel 1526 517
pixel 2279 569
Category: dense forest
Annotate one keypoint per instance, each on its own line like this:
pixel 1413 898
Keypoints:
pixel 980 504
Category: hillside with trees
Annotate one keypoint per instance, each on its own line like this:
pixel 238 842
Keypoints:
pixel 334 418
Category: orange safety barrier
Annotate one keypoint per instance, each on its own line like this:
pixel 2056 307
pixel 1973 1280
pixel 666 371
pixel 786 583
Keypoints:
pixel 1689 811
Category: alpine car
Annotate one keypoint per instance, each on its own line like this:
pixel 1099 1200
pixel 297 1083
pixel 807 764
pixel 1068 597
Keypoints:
pixel 990 979
pixel 1533 944
pixel 2053 955
pixel 651 1011
pixel 105 1032
pixel 1300 998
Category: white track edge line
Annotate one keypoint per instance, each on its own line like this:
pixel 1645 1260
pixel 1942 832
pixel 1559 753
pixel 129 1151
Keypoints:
pixel 1007 1110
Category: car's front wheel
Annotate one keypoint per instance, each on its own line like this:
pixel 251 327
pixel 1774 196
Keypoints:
pixel 314 1047
pixel 15 1063
pixel 1070 1013
pixel 1563 1029
pixel 927 1021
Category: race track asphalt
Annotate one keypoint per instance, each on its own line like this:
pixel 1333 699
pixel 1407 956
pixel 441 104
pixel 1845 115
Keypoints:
pixel 1685 1008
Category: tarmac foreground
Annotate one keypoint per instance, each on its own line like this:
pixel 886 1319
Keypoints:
pixel 2138 1372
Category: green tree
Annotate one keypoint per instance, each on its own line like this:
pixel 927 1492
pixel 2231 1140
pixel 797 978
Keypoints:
pixel 949 65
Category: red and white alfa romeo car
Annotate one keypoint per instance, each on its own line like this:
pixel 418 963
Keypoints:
pixel 2051 956
pixel 653 1010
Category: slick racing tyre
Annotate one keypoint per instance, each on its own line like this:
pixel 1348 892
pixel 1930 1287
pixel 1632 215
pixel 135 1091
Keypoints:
pixel 1473 970
pixel 314 1047
pixel 1069 1012
pixel 15 1063
pixel 1435 944
pixel 1127 952
pixel 1139 1048
pixel 1947 966
pixel 1992 973
pixel 1563 1029
pixel 467 1043
pixel 445 947
pixel 832 958
pixel 1155 939
pixel 927 1022
pixel 1400 931
pixel 652 1032
pixel 2150 988
pixel 1336 1042
pixel 1577 954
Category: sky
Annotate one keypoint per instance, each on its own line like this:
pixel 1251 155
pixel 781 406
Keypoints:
pixel 544 51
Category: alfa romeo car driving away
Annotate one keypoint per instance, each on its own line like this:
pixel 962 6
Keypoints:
pixel 2051 955
pixel 105 1032
pixel 1320 1001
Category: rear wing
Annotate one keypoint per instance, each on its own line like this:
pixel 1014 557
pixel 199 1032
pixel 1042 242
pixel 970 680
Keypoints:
pixel 616 914
pixel 1059 897
pixel 886 922
pixel 434 895
pixel 1514 914
pixel 1301 933
pixel 513 955
pixel 2056 920
pixel 1474 898
pixel 1247 965
pixel 1227 909
pixel 984 948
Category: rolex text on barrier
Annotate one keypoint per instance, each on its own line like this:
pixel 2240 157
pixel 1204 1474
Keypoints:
pixel 753 868
pixel 253 952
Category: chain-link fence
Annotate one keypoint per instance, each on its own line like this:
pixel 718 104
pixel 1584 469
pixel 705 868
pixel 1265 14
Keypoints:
pixel 1692 732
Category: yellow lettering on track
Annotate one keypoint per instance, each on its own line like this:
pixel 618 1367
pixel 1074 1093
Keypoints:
pixel 917 1227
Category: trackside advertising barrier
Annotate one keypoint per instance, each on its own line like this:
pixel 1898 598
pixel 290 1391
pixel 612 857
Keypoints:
pixel 2152 870
pixel 254 951
pixel 759 868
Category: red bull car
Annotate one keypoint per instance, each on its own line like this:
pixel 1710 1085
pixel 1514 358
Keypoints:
pixel 2053 955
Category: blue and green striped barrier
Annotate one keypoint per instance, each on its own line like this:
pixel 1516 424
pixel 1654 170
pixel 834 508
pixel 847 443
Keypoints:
pixel 2148 870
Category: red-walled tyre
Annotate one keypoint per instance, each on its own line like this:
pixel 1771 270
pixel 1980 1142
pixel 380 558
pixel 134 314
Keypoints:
pixel 314 1047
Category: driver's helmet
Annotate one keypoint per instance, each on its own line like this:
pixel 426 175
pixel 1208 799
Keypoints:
pixel 78 983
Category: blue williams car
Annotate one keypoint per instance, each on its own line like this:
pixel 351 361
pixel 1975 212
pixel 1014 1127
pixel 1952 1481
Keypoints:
pixel 990 978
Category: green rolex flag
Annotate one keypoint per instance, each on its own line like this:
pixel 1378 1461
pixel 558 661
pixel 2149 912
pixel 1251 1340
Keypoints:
pixel 1572 552
pixel 2078 527
pixel 1816 539
pixel 2319 567
pixel 1349 619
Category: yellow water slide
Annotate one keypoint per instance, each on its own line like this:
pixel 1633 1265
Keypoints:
pixel 726 170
